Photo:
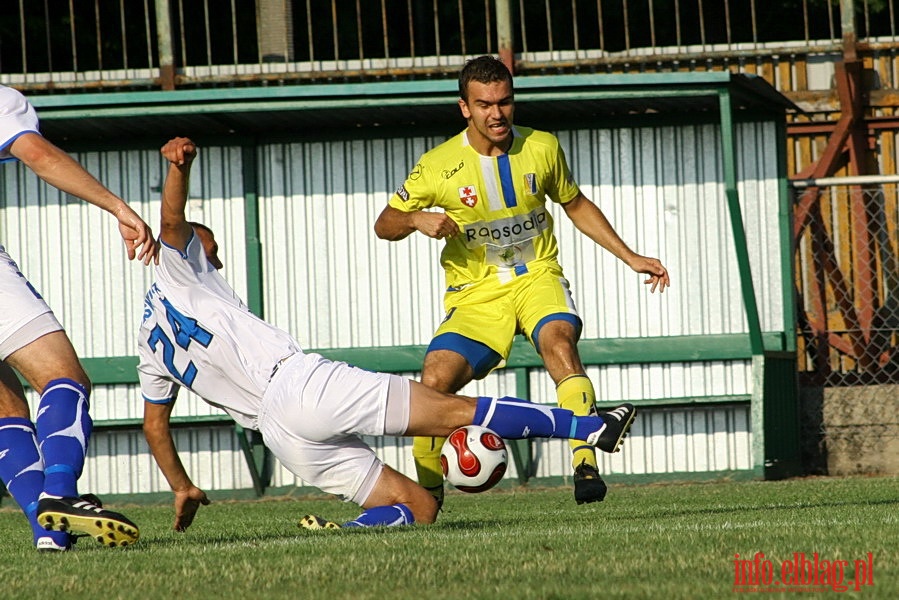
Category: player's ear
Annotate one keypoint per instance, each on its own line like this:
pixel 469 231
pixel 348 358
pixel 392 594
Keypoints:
pixel 463 106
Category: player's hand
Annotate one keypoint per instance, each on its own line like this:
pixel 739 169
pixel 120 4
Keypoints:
pixel 658 274
pixel 138 237
pixel 436 225
pixel 187 503
pixel 179 151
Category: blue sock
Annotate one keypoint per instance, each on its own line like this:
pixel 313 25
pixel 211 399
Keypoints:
pixel 385 516
pixel 63 430
pixel 514 418
pixel 22 471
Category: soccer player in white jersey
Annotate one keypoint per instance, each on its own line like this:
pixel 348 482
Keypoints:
pixel 491 183
pixel 198 334
pixel 41 460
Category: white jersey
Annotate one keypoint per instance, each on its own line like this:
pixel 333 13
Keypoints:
pixel 197 333
pixel 24 316
pixel 17 116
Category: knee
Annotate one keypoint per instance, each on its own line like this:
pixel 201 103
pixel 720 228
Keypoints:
pixel 12 404
pixel 437 382
pixel 81 381
pixel 424 508
pixel 14 410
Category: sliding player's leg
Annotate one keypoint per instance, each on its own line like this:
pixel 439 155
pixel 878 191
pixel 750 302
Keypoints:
pixel 434 413
pixel 395 500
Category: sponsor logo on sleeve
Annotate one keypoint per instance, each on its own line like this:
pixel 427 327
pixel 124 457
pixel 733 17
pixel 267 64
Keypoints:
pixel 403 193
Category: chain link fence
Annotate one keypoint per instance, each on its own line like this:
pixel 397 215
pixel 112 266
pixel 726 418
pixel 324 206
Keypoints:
pixel 847 278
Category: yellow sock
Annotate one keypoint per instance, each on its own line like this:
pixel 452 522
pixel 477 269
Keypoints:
pixel 426 452
pixel 576 394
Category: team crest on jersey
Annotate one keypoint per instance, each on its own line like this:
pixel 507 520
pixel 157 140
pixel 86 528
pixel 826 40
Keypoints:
pixel 468 194
pixel 530 183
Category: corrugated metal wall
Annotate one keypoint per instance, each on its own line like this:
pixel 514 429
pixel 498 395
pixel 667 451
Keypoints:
pixel 659 187
pixel 330 282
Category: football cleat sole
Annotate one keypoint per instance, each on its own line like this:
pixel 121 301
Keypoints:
pixel 108 532
pixel 314 523
pixel 80 517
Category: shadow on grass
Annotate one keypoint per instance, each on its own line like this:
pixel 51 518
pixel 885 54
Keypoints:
pixel 744 508
pixel 468 525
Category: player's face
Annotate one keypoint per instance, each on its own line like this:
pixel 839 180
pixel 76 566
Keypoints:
pixel 489 110
pixel 210 246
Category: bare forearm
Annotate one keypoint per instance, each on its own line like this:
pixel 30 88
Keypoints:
pixel 394 225
pixel 174 195
pixel 591 221
pixel 174 229
pixel 162 446
pixel 61 171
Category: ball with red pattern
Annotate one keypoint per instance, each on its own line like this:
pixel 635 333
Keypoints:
pixel 474 459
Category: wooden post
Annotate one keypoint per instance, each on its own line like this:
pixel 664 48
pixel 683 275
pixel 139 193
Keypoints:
pixel 164 39
pixel 505 39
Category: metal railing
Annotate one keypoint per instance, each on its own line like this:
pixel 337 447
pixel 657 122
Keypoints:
pixel 130 44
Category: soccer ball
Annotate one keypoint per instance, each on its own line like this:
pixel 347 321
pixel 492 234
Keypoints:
pixel 473 459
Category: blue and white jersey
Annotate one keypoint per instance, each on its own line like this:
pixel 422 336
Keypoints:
pixel 197 333
pixel 17 116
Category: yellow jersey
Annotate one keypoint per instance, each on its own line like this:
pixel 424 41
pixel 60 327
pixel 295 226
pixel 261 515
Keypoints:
pixel 498 202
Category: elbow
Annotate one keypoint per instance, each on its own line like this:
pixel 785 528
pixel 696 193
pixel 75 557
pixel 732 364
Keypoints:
pixel 155 429
pixel 385 233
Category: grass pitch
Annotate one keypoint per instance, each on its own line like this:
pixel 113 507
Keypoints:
pixel 652 541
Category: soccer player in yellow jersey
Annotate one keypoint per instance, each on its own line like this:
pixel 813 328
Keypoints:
pixel 500 256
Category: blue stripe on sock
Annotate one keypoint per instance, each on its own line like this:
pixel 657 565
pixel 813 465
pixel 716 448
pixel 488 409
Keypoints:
pixel 573 430
pixel 482 409
pixel 59 469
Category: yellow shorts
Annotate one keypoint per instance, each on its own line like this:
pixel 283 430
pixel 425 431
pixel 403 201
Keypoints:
pixel 491 313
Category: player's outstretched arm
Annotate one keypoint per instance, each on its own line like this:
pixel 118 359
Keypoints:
pixel 591 221
pixel 188 497
pixel 394 225
pixel 63 172
pixel 174 228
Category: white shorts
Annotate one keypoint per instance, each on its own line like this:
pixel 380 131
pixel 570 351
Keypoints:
pixel 314 412
pixel 24 316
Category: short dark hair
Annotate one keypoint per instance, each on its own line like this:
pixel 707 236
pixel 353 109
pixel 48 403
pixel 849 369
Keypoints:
pixel 483 69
